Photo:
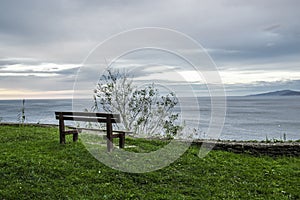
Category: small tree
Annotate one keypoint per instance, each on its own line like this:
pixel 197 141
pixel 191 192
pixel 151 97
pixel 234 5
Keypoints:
pixel 144 111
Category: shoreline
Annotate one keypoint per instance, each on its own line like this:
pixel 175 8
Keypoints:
pixel 241 142
pixel 257 148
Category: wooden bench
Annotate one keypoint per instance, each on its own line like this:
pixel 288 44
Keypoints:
pixel 107 118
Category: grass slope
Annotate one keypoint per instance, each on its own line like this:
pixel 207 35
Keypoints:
pixel 33 165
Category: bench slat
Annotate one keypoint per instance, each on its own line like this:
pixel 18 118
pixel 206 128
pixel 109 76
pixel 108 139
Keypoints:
pixel 69 132
pixel 103 130
pixel 89 114
pixel 88 119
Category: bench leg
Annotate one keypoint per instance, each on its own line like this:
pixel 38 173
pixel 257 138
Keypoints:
pixel 75 137
pixel 109 144
pixel 62 138
pixel 121 140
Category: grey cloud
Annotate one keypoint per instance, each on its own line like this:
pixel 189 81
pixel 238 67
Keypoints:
pixel 37 83
pixel 239 33
pixel 223 25
pixel 14 61
pixel 272 27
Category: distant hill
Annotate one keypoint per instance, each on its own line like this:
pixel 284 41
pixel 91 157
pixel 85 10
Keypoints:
pixel 279 93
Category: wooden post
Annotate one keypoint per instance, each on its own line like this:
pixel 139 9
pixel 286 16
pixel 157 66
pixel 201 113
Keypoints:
pixel 109 134
pixel 75 136
pixel 62 136
pixel 122 140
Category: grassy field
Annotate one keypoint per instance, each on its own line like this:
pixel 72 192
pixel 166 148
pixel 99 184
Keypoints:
pixel 35 166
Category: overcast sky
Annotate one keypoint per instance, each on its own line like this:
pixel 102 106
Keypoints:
pixel 255 44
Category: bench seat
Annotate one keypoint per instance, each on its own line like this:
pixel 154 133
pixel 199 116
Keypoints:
pixel 106 118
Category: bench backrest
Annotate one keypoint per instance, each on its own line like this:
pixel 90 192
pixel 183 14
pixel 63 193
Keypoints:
pixel 88 117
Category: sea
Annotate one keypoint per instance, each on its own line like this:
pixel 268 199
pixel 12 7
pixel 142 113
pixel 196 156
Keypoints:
pixel 247 118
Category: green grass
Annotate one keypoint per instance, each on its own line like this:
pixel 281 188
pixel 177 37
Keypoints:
pixel 35 166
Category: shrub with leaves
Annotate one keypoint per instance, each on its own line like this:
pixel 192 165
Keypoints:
pixel 143 111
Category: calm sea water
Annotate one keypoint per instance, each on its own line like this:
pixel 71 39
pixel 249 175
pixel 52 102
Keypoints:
pixel 247 118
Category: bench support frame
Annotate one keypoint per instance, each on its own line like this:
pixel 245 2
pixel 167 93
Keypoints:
pixel 109 119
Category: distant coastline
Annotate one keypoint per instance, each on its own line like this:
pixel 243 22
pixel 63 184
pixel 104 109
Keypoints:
pixel 277 93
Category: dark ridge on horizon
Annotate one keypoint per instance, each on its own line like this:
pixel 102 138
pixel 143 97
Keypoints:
pixel 278 93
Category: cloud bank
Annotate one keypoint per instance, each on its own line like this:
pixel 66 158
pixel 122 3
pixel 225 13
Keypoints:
pixel 255 44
